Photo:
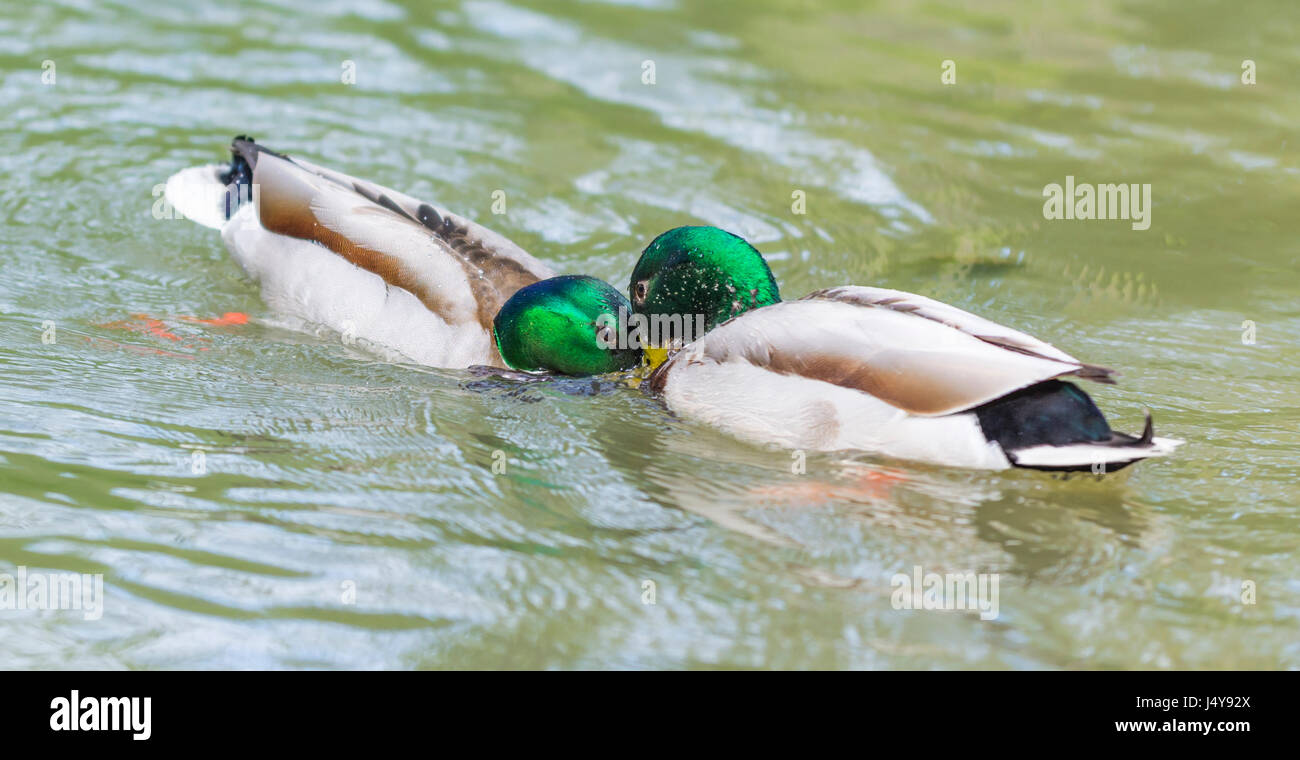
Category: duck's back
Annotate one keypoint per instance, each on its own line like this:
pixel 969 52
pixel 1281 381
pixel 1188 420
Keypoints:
pixel 402 277
pixel 870 369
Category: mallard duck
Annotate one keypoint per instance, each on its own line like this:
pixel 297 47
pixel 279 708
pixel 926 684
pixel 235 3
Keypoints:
pixel 407 279
pixel 870 369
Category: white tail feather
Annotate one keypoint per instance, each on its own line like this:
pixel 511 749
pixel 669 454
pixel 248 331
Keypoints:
pixel 1091 454
pixel 198 194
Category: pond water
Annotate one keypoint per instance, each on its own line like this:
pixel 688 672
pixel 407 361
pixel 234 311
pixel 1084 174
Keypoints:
pixel 261 498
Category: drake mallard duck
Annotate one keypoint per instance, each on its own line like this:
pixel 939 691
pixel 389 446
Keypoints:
pixel 864 368
pixel 410 280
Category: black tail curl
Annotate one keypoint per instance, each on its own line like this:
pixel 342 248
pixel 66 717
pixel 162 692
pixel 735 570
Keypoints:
pixel 1053 413
pixel 238 177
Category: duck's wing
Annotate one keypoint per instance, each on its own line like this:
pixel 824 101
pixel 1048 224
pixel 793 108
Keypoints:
pixel 460 270
pixel 971 324
pixel 929 360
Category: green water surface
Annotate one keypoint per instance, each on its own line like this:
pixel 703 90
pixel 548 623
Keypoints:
pixel 260 498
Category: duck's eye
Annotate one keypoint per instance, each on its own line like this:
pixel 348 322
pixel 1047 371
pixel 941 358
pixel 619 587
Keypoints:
pixel 640 290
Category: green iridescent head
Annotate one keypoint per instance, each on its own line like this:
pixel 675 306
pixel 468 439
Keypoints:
pixel 701 270
pixel 569 325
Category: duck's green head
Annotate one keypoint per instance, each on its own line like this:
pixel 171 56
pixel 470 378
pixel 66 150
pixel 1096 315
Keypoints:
pixel 701 270
pixel 570 325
